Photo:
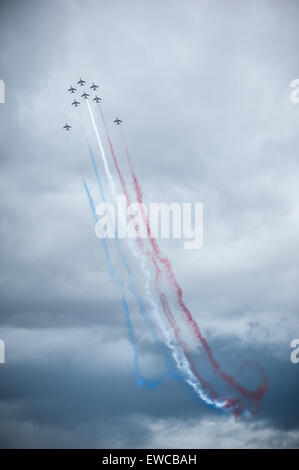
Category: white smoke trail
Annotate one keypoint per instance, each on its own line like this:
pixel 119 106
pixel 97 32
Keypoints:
pixel 109 176
pixel 177 353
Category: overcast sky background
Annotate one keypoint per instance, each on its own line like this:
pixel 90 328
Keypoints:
pixel 203 88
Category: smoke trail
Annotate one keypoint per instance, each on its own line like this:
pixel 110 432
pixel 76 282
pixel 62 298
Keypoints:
pixel 115 279
pixel 139 301
pixel 179 358
pixel 161 296
pixel 137 187
pixel 107 171
pixel 131 287
pixel 110 179
pixel 177 354
pixel 252 394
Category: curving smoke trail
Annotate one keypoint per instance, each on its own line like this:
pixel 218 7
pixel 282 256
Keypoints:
pixel 140 303
pixel 131 246
pixel 116 280
pixel 178 348
pixel 131 287
pixel 188 368
pixel 142 309
pixel 171 340
pixel 135 253
pixel 250 394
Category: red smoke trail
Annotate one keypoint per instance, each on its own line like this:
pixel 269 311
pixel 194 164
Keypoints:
pixel 252 394
pixel 255 395
pixel 162 296
pixel 232 404
pixel 176 330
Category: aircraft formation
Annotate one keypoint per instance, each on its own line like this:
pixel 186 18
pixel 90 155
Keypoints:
pixel 85 96
pixel 228 394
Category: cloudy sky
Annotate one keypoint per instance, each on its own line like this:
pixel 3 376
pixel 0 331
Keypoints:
pixel 203 88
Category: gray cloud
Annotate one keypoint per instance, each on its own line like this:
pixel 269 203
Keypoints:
pixel 203 89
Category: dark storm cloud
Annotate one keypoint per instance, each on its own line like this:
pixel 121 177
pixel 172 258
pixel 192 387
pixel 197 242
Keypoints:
pixel 68 392
pixel 203 89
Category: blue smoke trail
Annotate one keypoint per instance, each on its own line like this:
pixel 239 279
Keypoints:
pixel 116 280
pixel 171 371
pixel 139 300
